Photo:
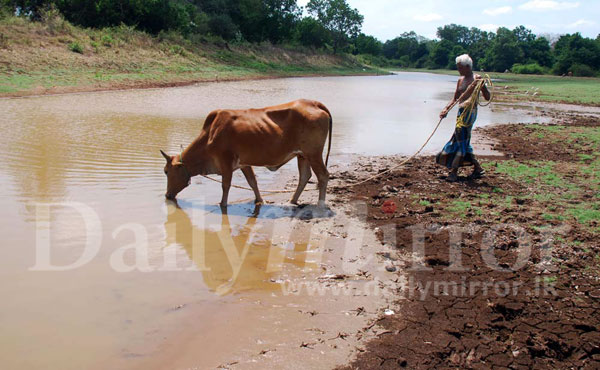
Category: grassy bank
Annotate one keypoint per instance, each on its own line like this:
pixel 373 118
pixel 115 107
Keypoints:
pixel 579 90
pixel 54 56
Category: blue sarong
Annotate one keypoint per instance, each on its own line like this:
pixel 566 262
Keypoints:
pixel 460 143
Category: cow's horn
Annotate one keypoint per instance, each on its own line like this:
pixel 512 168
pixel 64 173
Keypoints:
pixel 165 155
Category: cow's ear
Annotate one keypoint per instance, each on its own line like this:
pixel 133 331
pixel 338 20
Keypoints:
pixel 166 156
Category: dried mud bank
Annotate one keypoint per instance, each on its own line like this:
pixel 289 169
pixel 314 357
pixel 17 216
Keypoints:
pixel 502 272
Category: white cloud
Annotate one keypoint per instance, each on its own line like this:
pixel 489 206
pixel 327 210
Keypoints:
pixel 581 23
pixel 430 17
pixel 542 5
pixel 498 11
pixel 490 27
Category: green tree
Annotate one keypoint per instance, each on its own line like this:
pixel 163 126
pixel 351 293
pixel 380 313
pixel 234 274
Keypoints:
pixel 576 51
pixel 534 49
pixel 311 32
pixel 464 40
pixel 148 15
pixel 339 18
pixel 409 47
pixel 503 52
pixel 480 41
pixel 540 52
pixel 364 44
pixel 222 25
pixel 281 17
pixel 440 54
pixel 223 17
pixel 30 8
pixel 456 34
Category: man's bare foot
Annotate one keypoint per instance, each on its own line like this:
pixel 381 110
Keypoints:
pixel 477 174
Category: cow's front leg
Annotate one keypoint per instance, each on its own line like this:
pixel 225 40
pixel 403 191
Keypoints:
pixel 251 178
pixel 226 175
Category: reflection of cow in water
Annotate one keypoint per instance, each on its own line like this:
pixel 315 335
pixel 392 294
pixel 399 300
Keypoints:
pixel 268 137
pixel 229 258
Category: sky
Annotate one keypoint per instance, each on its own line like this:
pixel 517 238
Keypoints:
pixel 386 19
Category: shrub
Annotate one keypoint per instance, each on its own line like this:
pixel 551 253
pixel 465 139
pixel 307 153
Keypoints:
pixel 125 32
pixel 528 69
pixel 582 70
pixel 5 10
pixel 177 49
pixel 75 47
pixel 107 40
pixel 54 21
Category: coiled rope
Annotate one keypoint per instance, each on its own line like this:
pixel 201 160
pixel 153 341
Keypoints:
pixel 472 102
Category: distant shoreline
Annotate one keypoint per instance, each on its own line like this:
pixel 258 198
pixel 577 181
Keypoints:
pixel 149 84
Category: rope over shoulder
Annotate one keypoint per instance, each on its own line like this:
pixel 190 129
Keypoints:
pixel 472 102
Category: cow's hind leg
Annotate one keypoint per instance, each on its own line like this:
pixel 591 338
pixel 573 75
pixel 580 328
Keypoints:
pixel 251 178
pixel 304 176
pixel 316 162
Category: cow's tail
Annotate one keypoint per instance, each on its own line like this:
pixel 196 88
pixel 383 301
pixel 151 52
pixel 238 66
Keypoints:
pixel 330 131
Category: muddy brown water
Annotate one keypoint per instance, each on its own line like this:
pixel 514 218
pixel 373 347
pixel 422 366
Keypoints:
pixel 82 172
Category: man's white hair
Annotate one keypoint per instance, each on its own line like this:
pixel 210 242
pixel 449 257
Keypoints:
pixel 465 60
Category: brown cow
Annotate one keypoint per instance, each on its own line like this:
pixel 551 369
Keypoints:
pixel 269 137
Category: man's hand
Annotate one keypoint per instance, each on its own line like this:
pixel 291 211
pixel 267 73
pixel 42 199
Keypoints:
pixel 443 114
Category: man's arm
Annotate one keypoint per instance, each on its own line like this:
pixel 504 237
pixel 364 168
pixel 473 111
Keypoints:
pixel 484 89
pixel 446 109
pixel 486 93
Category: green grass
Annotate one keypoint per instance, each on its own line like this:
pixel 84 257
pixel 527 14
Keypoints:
pixel 538 173
pixel 554 88
pixel 588 135
pixel 586 212
pixel 549 88
pixel 527 172
pixel 586 157
pixel 544 197
pixel 459 206
pixel 12 82
pixel 551 217
pixel 553 190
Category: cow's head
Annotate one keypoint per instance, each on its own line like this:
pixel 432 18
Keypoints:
pixel 178 177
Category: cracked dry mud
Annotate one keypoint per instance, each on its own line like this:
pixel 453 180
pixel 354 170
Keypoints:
pixel 543 194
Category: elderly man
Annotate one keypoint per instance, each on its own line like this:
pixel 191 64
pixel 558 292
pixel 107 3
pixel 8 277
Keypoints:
pixel 458 151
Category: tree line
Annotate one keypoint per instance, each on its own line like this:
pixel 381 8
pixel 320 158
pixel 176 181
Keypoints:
pixel 327 23
pixel 517 50
pixel 333 25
